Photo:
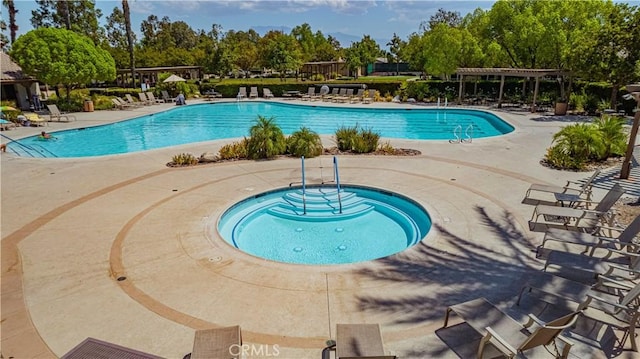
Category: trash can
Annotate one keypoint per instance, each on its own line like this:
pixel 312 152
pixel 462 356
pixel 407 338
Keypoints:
pixel 88 106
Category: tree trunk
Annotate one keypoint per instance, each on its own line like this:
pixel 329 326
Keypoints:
pixel 127 23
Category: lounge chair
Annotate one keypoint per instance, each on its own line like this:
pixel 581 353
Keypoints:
pixel 6 125
pixel 152 98
pixel 121 104
pixel 266 93
pixel 253 92
pixel 358 96
pixel 242 93
pixel 508 335
pixel 167 98
pixel 94 348
pixel 133 102
pixel 35 119
pixel 311 92
pixel 618 307
pixel 342 93
pixel 54 112
pixel 571 190
pixel 546 217
pixel 591 241
pixel 144 99
pixel 359 341
pixel 217 343
pixel 332 95
pixel 369 96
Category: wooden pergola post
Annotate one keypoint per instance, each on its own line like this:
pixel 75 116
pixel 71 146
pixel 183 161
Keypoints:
pixel 535 94
pixel 501 91
pixel 460 90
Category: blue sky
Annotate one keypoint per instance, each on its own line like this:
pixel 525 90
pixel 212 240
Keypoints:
pixel 379 19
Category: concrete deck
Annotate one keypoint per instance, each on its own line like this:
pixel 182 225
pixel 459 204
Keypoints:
pixel 124 249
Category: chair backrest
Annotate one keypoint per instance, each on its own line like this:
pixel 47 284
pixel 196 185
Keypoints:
pixel 631 231
pixel 343 92
pixel 585 186
pixel 143 97
pixel 242 91
pixel 165 95
pixel 53 109
pixel 335 91
pixel 116 102
pixel 217 343
pixel 548 332
pixel 360 93
pixel 349 92
pixel 129 98
pixel 151 96
pixel 630 299
pixel 254 90
pixel 311 91
pixel 266 92
pixel 610 199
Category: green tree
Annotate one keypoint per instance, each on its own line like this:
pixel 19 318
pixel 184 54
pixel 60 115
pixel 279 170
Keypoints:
pixel 59 56
pixel 12 11
pixel 266 139
pixel 280 52
pixel 396 46
pixel 131 39
pixel 362 53
pixel 442 16
pixel 241 49
pixel 4 39
pixel 80 16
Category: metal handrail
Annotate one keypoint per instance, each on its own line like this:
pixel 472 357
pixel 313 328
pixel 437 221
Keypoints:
pixel 337 176
pixel 304 189
pixel 28 149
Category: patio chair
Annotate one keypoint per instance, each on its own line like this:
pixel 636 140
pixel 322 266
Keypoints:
pixel 242 93
pixel 121 104
pixel 144 99
pixel 266 93
pixel 617 308
pixel 152 98
pixel 94 348
pixel 505 333
pixel 311 92
pixel 54 112
pixel 36 120
pixel 571 190
pixel 358 96
pixel 166 97
pixel 332 95
pixel 253 93
pixel 217 343
pixel 593 241
pixel 359 341
pixel 369 96
pixel 546 217
pixel 342 93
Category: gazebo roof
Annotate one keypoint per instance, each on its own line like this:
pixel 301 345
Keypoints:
pixel 11 72
pixel 498 71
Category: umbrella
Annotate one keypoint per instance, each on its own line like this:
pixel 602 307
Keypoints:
pixel 7 108
pixel 174 78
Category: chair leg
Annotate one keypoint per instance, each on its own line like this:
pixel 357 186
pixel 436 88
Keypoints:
pixel 446 317
pixel 521 293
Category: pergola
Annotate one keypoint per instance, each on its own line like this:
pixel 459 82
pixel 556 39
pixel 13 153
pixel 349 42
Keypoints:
pixel 512 72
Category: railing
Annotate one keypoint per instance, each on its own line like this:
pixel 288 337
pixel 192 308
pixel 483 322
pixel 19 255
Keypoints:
pixel 304 190
pixel 32 151
pixel 337 176
pixel 468 134
pixel 457 133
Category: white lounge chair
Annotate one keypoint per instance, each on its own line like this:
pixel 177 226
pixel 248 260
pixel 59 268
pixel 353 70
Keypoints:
pixel 152 98
pixel 167 98
pixel 253 93
pixel 571 190
pixel 54 112
pixel 242 93
pixel 266 93
pixel 144 99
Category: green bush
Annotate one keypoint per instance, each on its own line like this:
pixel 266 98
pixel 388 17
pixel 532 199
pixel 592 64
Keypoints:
pixel 266 140
pixel 345 137
pixel 614 136
pixel 234 151
pixel 304 142
pixel 556 157
pixel 184 159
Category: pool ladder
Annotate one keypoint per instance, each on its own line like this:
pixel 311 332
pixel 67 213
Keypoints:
pixel 304 186
pixel 457 134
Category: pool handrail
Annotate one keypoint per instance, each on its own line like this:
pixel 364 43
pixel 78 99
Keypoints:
pixel 28 149
pixel 304 189
pixel 337 176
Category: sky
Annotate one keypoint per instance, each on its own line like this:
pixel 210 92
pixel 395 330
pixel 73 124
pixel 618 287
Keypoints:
pixel 379 19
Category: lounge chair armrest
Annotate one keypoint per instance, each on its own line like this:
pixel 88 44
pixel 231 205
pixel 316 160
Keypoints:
pixel 533 319
pixel 602 300
pixel 491 334
pixel 624 252
pixel 567 346
pixel 604 280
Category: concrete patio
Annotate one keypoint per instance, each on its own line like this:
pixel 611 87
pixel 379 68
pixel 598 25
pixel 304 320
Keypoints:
pixel 125 250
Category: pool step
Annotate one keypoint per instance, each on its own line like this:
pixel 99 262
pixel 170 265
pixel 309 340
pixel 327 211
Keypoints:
pixel 320 214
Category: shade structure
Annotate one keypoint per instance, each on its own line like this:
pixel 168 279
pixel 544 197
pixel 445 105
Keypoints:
pixel 174 78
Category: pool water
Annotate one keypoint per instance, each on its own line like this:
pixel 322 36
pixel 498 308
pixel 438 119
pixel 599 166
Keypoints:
pixel 364 224
pixel 206 122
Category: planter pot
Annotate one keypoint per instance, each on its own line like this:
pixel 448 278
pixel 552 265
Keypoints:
pixel 561 108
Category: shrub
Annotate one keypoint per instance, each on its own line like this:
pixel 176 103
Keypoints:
pixel 614 137
pixel 367 141
pixel 267 140
pixel 582 141
pixel 234 151
pixel 304 142
pixel 184 159
pixel 386 149
pixel 346 137
pixel 556 157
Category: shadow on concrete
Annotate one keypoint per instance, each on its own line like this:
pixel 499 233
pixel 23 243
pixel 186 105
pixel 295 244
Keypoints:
pixel 445 279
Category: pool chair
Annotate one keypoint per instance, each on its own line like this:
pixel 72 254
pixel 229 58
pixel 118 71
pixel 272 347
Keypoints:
pixel 36 120
pixel 121 105
pixel 266 93
pixel 330 96
pixel 253 92
pixel 217 343
pixel 94 348
pixel 605 237
pixel 358 341
pixel 152 98
pixel 6 125
pixel 571 192
pixel 369 96
pixel 144 99
pixel 607 302
pixel 311 92
pixel 546 217
pixel 242 93
pixel 508 335
pixel 167 98
pixel 54 112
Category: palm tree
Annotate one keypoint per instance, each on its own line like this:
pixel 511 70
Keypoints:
pixel 127 24
pixel 267 140
pixel 614 137
pixel 581 141
pixel 304 142
pixel 13 27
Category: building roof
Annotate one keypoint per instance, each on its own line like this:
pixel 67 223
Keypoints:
pixel 11 72
pixel 511 72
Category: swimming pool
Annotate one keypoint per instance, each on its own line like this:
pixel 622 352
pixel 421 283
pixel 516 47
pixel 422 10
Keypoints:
pixel 206 122
pixel 320 227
